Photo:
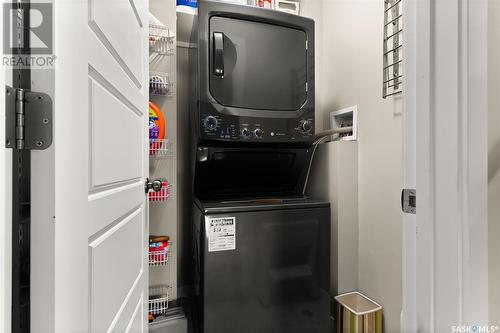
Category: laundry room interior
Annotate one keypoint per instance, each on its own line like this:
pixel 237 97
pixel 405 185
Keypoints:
pixel 359 173
pixel 271 185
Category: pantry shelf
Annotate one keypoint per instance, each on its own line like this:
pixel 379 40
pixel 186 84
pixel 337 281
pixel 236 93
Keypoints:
pixel 160 84
pixel 166 193
pixel 158 300
pixel 161 148
pixel 161 40
pixel 160 257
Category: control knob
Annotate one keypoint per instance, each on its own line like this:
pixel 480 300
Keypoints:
pixel 306 126
pixel 210 123
pixel 245 132
pixel 258 133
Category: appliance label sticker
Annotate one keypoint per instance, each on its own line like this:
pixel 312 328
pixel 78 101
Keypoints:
pixel 221 233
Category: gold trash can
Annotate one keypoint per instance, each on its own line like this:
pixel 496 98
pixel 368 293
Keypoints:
pixel 356 313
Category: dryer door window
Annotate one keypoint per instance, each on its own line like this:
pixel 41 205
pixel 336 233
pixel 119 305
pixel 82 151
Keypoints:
pixel 257 65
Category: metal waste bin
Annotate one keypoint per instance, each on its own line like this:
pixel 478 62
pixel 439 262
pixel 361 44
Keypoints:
pixel 356 313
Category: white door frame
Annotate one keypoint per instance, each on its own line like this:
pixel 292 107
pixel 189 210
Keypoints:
pixel 408 246
pixel 445 264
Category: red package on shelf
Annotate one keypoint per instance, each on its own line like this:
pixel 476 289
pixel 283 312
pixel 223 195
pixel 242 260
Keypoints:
pixel 158 252
pixel 264 3
pixel 157 246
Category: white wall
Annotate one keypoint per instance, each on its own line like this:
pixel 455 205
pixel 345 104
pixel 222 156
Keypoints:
pixel 494 160
pixel 184 167
pixel 163 218
pixel 349 72
pixel 334 178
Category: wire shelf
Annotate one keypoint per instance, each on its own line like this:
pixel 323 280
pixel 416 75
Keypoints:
pixel 161 147
pixel 160 84
pixel 158 300
pixel 160 257
pixel 163 195
pixel 161 40
pixel 162 165
pixel 393 48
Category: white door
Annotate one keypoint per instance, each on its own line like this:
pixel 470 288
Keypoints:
pixel 96 256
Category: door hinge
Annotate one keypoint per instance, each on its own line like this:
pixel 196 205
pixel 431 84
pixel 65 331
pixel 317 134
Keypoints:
pixel 409 201
pixel 28 119
pixel 307 45
pixel 307 87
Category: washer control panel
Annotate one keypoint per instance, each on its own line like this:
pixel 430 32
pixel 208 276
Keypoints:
pixel 234 128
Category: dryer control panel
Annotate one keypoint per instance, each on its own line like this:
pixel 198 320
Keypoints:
pixel 217 126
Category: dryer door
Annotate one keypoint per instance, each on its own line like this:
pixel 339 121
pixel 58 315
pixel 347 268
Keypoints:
pixel 257 65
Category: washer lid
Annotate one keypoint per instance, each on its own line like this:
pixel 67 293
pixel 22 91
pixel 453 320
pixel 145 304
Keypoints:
pixel 258 204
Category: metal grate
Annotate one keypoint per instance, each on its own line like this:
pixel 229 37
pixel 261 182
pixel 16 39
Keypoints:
pixel 160 84
pixel 162 165
pixel 161 40
pixel 393 48
pixel 158 300
pixel 160 257
pixel 163 195
pixel 161 148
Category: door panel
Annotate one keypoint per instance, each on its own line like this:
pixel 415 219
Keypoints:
pixel 265 65
pixel 101 162
pixel 111 163
pixel 118 25
pixel 136 323
pixel 104 207
pixel 115 268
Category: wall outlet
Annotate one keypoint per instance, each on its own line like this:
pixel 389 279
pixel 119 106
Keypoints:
pixel 344 118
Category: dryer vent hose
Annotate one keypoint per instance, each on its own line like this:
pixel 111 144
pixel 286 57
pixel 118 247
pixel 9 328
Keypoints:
pixel 322 137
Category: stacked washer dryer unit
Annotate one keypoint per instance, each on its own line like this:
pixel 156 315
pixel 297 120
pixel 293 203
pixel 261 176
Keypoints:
pixel 261 250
